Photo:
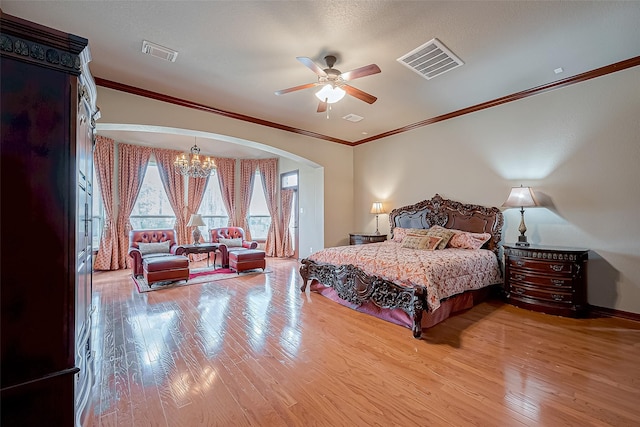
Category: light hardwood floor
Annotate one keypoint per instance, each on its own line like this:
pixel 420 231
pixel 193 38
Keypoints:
pixel 255 351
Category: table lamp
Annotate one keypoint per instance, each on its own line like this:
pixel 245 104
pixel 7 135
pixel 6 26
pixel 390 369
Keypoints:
pixel 377 209
pixel 521 197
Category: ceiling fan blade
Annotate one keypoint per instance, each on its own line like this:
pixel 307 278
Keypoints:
pixel 357 93
pixel 322 107
pixel 308 62
pixel 367 70
pixel 293 89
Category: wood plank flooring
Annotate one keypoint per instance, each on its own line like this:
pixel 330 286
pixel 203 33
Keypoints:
pixel 255 351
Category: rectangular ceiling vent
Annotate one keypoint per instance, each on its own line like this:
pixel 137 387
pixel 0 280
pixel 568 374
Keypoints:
pixel 431 59
pixel 159 51
pixel 353 118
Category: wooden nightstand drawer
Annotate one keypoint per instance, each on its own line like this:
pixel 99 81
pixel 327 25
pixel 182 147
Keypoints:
pixel 548 279
pixel 558 296
pixel 524 276
pixel 552 267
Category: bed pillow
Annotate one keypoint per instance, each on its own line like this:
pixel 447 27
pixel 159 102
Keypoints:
pixel 418 241
pixel 465 240
pixel 155 248
pixel 400 233
pixel 444 233
pixel 231 242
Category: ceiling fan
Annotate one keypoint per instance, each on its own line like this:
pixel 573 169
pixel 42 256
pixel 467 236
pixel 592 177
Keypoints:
pixel 333 82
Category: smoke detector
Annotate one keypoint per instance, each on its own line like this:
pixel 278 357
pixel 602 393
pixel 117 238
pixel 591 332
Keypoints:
pixel 159 51
pixel 431 59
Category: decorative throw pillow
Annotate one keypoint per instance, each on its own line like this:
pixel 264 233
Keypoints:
pixel 155 248
pixel 400 233
pixel 417 241
pixel 444 233
pixel 466 240
pixel 231 242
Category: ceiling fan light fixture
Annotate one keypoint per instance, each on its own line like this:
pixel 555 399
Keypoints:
pixel 330 94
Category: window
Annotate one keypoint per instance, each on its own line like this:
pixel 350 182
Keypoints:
pixel 212 209
pixel 259 218
pixel 152 209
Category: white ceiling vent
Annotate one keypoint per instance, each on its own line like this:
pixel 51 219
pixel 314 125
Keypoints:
pixel 431 59
pixel 159 51
pixel 353 118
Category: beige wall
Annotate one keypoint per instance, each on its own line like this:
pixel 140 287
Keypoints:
pixel 578 147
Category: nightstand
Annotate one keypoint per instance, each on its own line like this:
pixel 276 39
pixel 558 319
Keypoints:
pixel 364 238
pixel 546 278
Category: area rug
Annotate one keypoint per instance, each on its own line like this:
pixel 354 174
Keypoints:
pixel 204 275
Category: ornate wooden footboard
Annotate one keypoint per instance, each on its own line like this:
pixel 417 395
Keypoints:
pixel 354 286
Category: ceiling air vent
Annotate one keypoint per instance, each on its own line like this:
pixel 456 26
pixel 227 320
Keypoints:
pixel 431 59
pixel 353 118
pixel 159 51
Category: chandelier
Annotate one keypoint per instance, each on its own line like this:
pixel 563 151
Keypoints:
pixel 191 165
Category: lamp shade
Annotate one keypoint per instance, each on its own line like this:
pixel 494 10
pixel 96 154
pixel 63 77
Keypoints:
pixel 377 208
pixel 520 197
pixel 196 221
pixel 330 94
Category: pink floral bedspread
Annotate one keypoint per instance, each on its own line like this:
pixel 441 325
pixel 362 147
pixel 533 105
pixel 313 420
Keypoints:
pixel 443 273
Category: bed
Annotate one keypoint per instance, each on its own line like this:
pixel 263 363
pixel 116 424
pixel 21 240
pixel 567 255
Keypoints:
pixel 406 283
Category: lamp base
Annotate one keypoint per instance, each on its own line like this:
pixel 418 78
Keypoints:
pixel 522 241
pixel 196 236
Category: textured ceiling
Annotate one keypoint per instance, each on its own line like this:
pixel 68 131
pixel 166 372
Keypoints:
pixel 233 55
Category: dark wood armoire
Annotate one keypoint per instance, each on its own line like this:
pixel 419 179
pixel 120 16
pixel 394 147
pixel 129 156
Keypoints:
pixel 48 110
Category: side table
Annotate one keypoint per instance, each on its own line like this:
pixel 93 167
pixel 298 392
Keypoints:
pixel 364 238
pixel 546 278
pixel 201 248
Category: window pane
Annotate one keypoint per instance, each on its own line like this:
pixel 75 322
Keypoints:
pixel 259 218
pixel 152 209
pixel 212 209
pixel 290 179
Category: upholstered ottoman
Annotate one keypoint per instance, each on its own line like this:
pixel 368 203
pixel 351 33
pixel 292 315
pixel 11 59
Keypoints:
pixel 247 259
pixel 165 268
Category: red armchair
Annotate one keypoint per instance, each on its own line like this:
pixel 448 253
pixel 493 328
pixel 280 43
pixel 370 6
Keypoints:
pixel 149 236
pixel 227 233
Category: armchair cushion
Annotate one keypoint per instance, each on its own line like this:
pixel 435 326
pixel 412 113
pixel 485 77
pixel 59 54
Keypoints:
pixel 155 248
pixel 231 242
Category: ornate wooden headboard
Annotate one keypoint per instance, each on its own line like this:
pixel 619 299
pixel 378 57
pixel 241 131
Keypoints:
pixel 451 214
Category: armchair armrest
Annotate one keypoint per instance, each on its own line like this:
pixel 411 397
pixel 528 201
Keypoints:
pixel 135 253
pixel 249 245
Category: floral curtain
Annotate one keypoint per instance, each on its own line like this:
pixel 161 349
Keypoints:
pixel 247 175
pixel 226 171
pixel 286 197
pixel 132 165
pixel 104 160
pixel 173 184
pixel 268 169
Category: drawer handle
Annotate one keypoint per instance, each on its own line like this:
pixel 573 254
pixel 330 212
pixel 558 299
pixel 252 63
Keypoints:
pixel 520 263
pixel 556 267
pixel 518 291
pixel 557 297
pixel 557 282
pixel 519 276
